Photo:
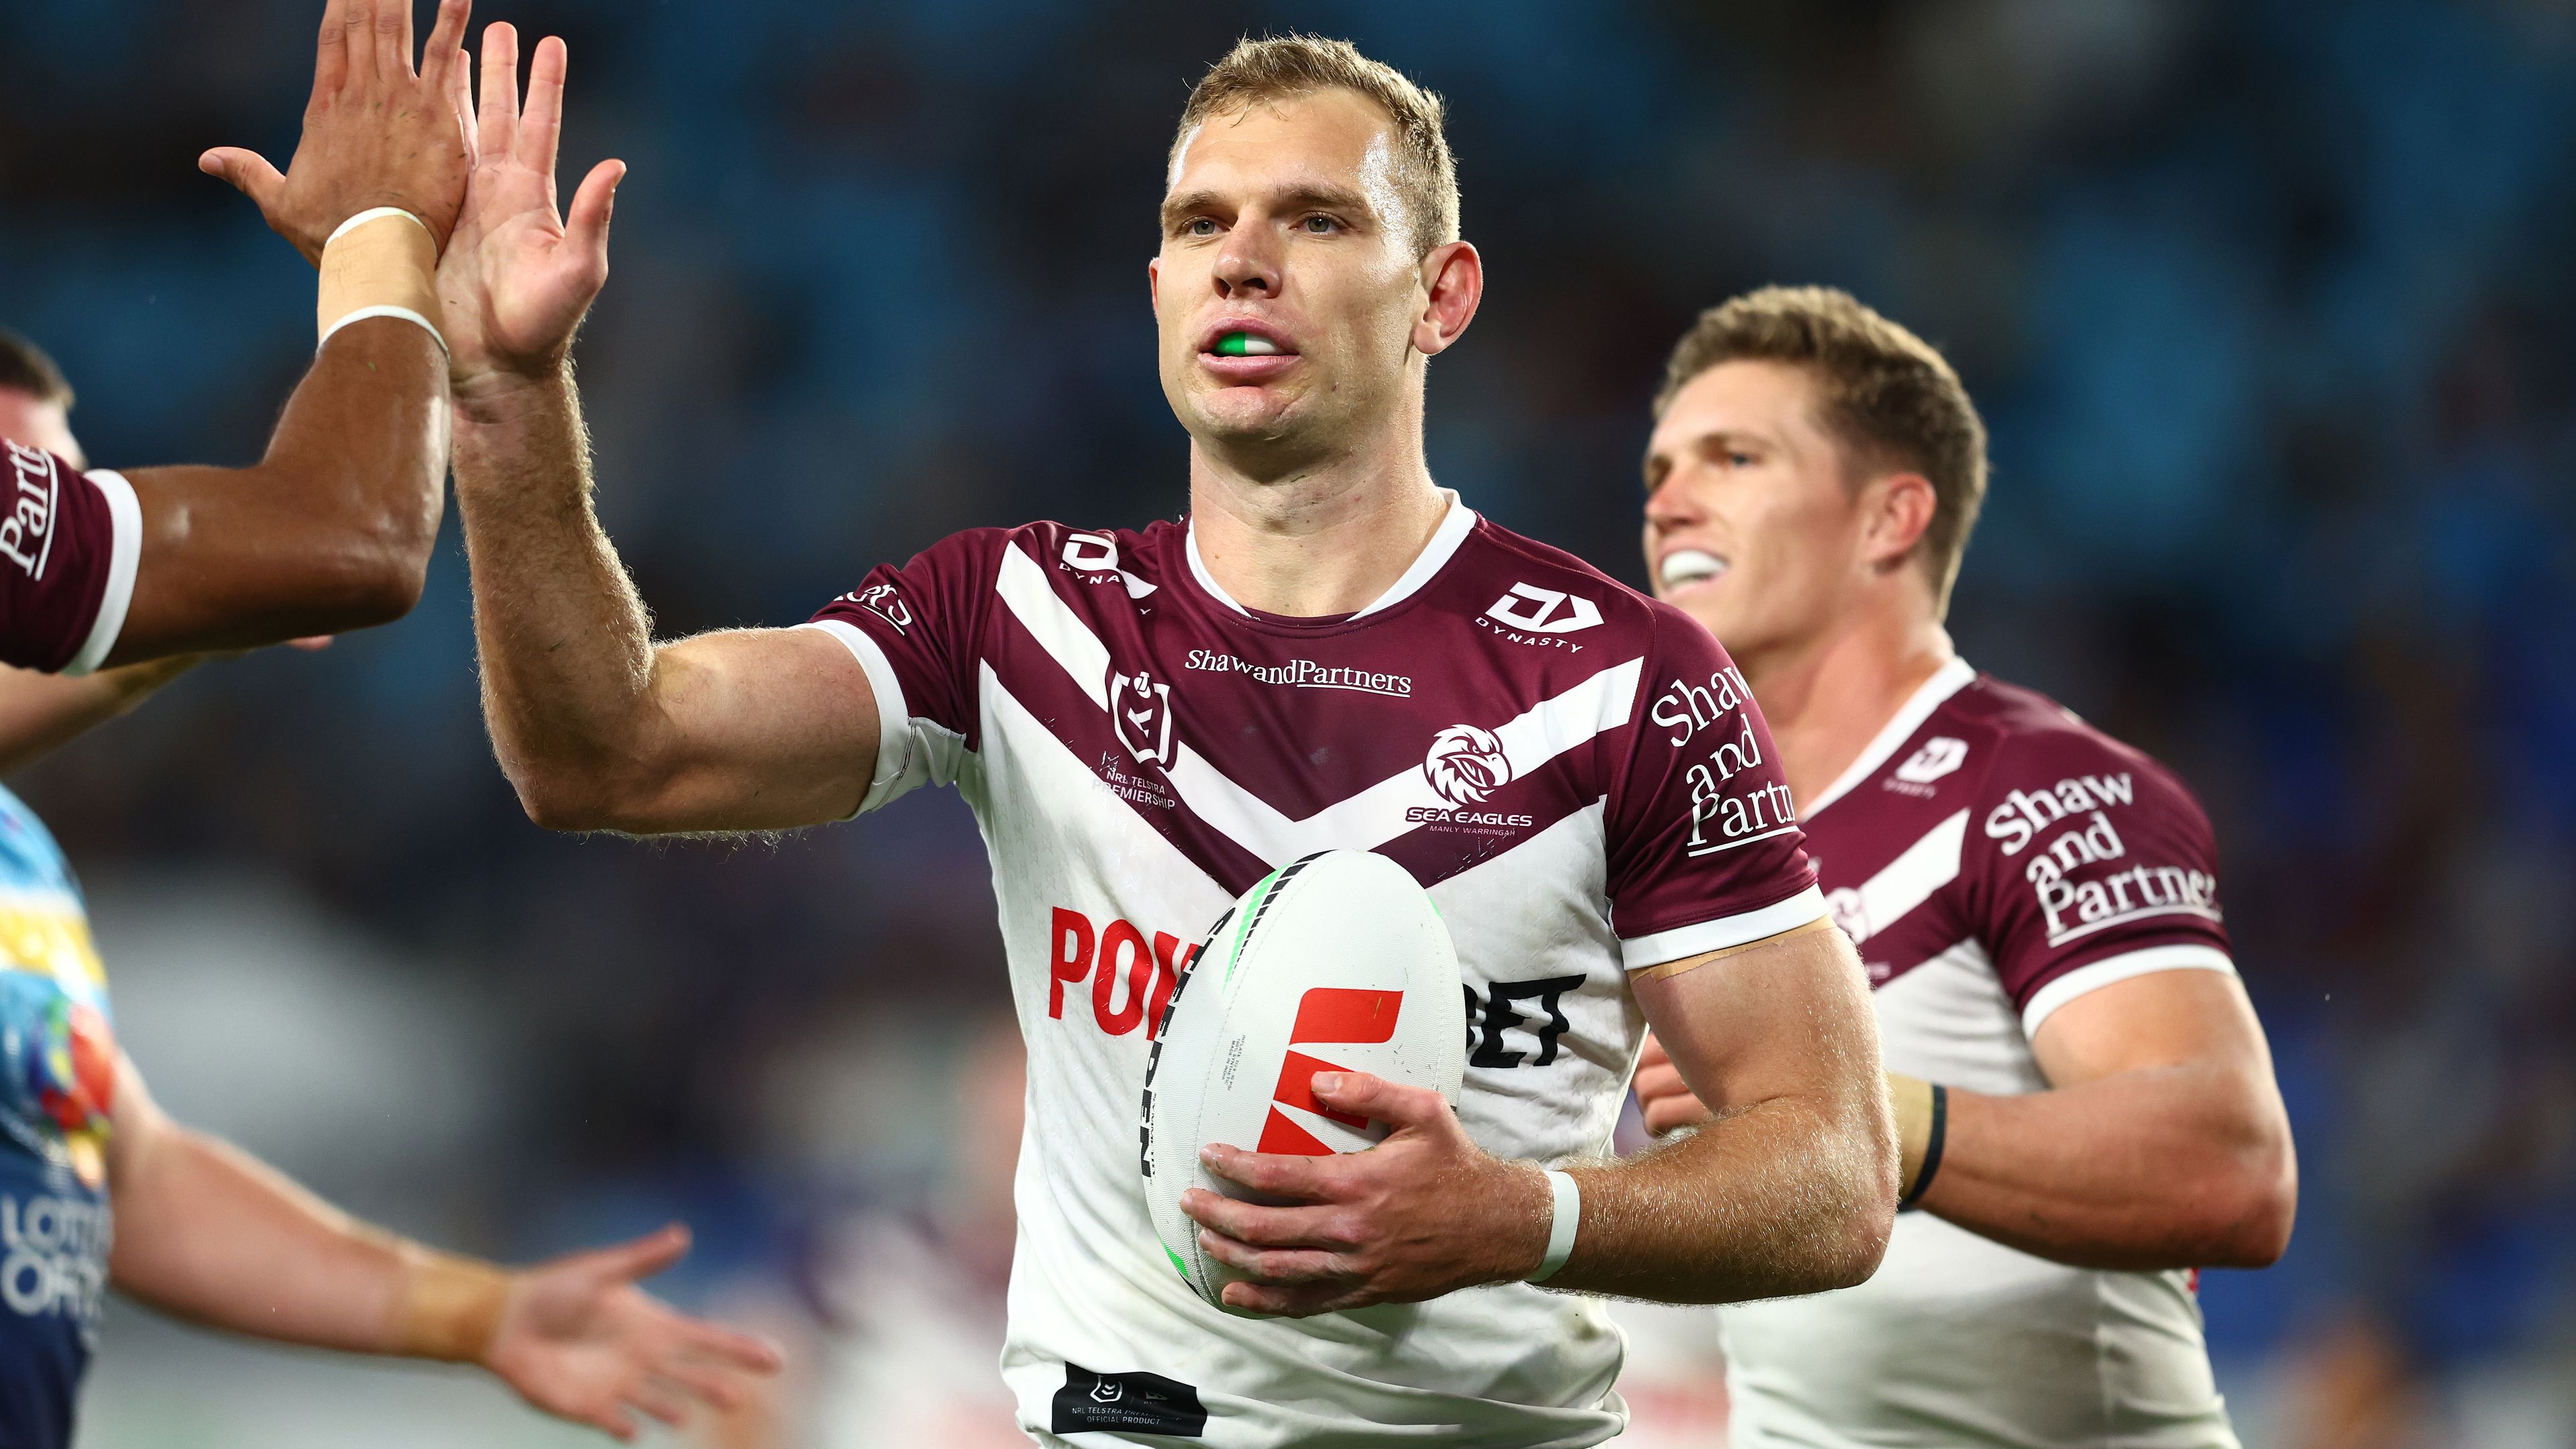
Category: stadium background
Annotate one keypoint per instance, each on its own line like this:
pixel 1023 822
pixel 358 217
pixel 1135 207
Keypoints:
pixel 2269 304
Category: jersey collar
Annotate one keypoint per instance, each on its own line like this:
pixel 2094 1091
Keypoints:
pixel 1454 527
pixel 1946 681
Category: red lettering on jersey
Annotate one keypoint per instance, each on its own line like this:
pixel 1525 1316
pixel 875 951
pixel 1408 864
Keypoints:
pixel 1140 971
pixel 1167 974
pixel 1072 936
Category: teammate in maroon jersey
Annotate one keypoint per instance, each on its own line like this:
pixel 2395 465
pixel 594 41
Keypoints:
pixel 1330 651
pixel 331 530
pixel 2085 1096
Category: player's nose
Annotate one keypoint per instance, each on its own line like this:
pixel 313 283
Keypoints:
pixel 1671 504
pixel 1247 267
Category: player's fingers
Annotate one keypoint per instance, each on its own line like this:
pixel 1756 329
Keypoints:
pixel 645 1256
pixel 446 48
pixel 1655 1083
pixel 1674 1112
pixel 1270 1227
pixel 1281 1300
pixel 358 44
pixel 1280 1174
pixel 710 1384
pixel 704 1342
pixel 393 38
pixel 331 50
pixel 1653 1055
pixel 1380 1100
pixel 1273 1265
pixel 659 1399
pixel 593 206
pixel 248 171
pixel 498 121
pixel 541 126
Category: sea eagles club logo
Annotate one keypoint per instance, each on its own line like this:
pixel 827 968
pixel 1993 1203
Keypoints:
pixel 1141 708
pixel 1466 765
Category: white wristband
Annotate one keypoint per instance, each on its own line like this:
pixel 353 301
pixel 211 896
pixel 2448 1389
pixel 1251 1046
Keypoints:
pixel 372 213
pixel 1560 1235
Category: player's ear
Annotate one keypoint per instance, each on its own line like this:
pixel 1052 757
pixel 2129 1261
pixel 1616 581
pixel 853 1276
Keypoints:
pixel 1900 511
pixel 1154 284
pixel 1453 284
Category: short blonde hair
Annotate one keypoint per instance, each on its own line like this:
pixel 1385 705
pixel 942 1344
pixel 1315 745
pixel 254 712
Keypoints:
pixel 1282 67
pixel 1885 394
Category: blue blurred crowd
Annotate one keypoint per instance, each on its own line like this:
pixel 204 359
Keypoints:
pixel 2271 306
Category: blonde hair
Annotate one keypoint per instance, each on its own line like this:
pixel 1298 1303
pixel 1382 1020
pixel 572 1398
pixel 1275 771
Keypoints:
pixel 1884 393
pixel 1283 67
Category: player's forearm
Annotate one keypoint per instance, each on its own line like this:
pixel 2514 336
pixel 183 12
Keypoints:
pixel 330 531
pixel 1784 1197
pixel 2184 1166
pixel 208 1233
pixel 567 655
pixel 41 712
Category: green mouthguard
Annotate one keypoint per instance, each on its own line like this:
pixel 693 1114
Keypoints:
pixel 1233 344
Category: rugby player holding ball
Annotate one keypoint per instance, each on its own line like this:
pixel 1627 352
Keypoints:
pixel 2085 1096
pixel 1329 651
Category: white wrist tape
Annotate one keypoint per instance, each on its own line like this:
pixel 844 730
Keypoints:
pixel 379 271
pixel 1560 1235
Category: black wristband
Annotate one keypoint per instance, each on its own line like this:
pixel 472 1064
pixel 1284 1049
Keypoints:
pixel 1931 1148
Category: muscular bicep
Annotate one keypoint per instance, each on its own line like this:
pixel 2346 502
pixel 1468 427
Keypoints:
pixel 1785 1017
pixel 2161 1019
pixel 757 729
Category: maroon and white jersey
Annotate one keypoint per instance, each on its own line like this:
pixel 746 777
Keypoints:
pixel 1994 858
pixel 68 542
pixel 1575 773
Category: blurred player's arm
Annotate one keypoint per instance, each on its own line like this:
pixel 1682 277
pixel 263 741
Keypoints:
pixel 596 725
pixel 332 529
pixel 206 1232
pixel 43 712
pixel 1793 1192
pixel 2161 1142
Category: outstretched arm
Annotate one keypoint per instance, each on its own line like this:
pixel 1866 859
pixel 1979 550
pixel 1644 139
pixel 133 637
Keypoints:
pixel 209 1233
pixel 40 713
pixel 596 725
pixel 331 530
pixel 1793 1192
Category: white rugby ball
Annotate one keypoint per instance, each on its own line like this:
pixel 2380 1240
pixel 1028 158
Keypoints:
pixel 1337 962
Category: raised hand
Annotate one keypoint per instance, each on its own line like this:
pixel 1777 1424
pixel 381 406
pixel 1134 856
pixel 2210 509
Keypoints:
pixel 1423 1213
pixel 377 132
pixel 516 283
pixel 582 1342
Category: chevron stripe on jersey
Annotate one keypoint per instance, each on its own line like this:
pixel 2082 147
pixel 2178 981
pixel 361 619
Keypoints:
pixel 1139 749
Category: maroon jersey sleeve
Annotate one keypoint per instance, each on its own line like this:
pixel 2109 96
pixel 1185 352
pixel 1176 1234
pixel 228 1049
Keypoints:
pixel 68 542
pixel 2087 863
pixel 915 629
pixel 1704 846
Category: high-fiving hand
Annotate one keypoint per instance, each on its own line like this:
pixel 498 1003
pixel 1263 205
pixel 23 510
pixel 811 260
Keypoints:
pixel 376 131
pixel 1423 1213
pixel 582 1342
pixel 519 276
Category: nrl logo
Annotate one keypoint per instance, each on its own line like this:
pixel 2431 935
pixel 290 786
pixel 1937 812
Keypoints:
pixel 1466 765
pixel 1141 710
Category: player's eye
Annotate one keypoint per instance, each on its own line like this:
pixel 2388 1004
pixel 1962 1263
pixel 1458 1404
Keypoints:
pixel 1199 226
pixel 1738 458
pixel 1320 225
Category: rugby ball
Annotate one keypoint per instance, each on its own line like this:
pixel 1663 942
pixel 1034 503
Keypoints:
pixel 1337 962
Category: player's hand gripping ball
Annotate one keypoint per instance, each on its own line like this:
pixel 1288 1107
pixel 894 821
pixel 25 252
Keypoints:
pixel 1336 963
